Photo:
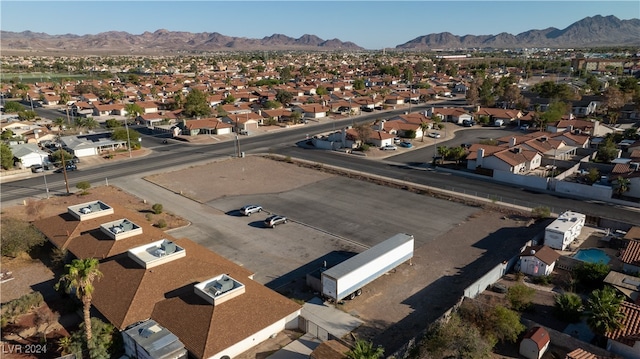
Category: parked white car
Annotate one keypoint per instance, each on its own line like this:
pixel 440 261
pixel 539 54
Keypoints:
pixel 389 148
pixel 434 135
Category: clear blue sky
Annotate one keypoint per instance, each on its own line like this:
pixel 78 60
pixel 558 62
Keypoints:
pixel 370 24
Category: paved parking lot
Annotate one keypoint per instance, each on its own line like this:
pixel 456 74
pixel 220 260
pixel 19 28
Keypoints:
pixel 334 217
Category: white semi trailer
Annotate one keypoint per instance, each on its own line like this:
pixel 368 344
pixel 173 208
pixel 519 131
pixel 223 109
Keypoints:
pixel 346 279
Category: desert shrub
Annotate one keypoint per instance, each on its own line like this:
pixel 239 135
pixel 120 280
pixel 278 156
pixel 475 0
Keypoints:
pixel 520 297
pixel 83 186
pixel 20 306
pixel 540 212
pixel 542 280
pixel 149 217
pixel 157 208
pixel 18 236
pixel 161 223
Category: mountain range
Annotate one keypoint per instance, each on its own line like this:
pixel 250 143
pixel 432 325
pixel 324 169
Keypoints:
pixel 590 31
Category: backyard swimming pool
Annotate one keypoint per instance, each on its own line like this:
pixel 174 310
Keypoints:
pixel 592 255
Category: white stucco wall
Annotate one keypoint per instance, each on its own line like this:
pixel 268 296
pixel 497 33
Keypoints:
pixel 289 322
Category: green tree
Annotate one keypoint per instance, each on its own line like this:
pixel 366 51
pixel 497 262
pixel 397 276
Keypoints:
pixel 621 185
pixel 603 310
pixel 272 104
pixel 592 176
pixel 358 84
pixel 196 104
pixel 497 324
pixel 363 132
pixel 506 324
pixel 229 100
pixel 79 279
pixel 520 296
pixel 60 123
pixel 18 236
pixel 6 156
pixel 589 276
pixel 568 307
pixel 120 134
pixel 57 156
pixel 133 110
pixel 284 97
pixel 112 123
pixel 607 151
pixel 365 350
pixel 321 91
pixel 554 113
pixel 6 134
pixel 13 107
pixel 27 115
pixel 454 338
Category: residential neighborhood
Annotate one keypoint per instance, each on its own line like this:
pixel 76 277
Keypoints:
pixel 561 285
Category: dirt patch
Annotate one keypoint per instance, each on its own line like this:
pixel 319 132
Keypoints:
pixel 237 176
pixel 33 209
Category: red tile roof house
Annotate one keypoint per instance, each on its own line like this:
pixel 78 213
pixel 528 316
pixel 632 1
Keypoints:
pixel 630 257
pixel 312 110
pixel 205 126
pixel 515 160
pixel 583 354
pixel 538 260
pixel 109 109
pixel 380 138
pixel 495 114
pixel 280 115
pixel 451 114
pixel 246 122
pixel 535 343
pixel 626 340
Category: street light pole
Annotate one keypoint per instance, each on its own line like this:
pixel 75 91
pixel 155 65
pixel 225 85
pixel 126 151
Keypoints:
pixel 126 126
pixel 44 173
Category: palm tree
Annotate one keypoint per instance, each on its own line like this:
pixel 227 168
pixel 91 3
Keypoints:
pixel 79 279
pixel 622 185
pixel 424 127
pixel 90 123
pixel 59 122
pixel 365 350
pixel 603 311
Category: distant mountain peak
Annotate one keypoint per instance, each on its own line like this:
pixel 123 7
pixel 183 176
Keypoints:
pixel 595 30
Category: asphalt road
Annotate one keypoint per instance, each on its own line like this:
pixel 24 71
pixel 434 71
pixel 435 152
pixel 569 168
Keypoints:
pixel 282 142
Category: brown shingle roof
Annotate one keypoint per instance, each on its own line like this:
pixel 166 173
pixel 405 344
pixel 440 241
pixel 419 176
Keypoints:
pixel 128 293
pixel 84 239
pixel 543 253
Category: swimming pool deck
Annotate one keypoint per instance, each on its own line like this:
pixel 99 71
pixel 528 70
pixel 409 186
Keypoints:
pixel 590 237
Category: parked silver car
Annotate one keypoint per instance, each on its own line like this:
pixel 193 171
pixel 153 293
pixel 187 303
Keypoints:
pixel 250 208
pixel 274 220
